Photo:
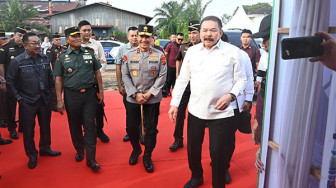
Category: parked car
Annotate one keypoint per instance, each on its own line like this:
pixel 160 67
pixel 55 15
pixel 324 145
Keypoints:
pixel 163 42
pixel 234 38
pixel 111 49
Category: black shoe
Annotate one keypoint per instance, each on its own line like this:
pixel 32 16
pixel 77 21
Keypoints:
pixel 194 182
pixel 4 142
pixel 147 161
pixel 103 137
pixel 142 140
pixel 176 145
pixel 126 138
pixel 13 134
pixel 49 152
pixel 79 157
pixel 228 179
pixel 3 124
pixel 32 162
pixel 134 156
pixel 93 165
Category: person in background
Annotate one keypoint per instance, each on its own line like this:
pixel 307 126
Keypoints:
pixel 2 89
pixel 329 56
pixel 172 38
pixel 45 45
pixel 27 28
pixel 86 33
pixel 252 51
pixel 3 41
pixel 156 40
pixel 93 35
pixel 156 46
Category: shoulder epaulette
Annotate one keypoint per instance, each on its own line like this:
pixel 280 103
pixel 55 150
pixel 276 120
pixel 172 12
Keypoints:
pixel 89 48
pixel 60 53
pixel 50 48
pixel 5 43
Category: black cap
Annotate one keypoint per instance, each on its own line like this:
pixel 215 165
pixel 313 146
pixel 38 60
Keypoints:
pixel 265 28
pixel 27 27
pixel 145 30
pixel 20 30
pixel 56 35
pixel 2 33
pixel 71 31
pixel 194 25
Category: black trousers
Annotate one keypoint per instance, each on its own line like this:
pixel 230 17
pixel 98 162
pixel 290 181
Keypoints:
pixel 133 120
pixel 2 105
pixel 181 113
pixel 221 141
pixel 28 113
pixel 10 111
pixel 100 118
pixel 171 77
pixel 81 109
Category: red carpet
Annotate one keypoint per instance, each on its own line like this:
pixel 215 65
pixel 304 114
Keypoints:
pixel 171 169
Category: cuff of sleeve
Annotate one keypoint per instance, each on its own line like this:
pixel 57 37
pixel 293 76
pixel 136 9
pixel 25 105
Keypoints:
pixel 154 91
pixel 173 102
pixel 133 91
pixel 249 97
pixel 18 97
pixel 259 79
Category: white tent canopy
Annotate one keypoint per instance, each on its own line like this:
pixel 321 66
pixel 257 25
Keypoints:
pixel 240 21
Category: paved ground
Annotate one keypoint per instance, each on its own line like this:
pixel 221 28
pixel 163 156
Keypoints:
pixel 110 80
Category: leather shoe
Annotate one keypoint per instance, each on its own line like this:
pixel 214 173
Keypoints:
pixel 93 165
pixel 228 179
pixel 4 142
pixel 13 134
pixel 134 156
pixel 49 152
pixel 194 182
pixel 126 138
pixel 32 162
pixel 176 145
pixel 147 161
pixel 79 157
pixel 103 137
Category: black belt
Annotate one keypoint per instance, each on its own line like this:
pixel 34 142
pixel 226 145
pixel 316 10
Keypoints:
pixel 84 90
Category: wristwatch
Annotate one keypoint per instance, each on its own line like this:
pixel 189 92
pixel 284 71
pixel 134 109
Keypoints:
pixel 233 97
pixel 134 95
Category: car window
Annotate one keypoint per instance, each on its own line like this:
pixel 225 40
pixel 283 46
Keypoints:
pixel 109 44
pixel 234 38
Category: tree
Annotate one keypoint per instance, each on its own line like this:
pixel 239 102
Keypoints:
pixel 259 8
pixel 195 10
pixel 14 13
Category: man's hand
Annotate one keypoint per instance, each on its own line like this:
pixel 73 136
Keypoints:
pixel 101 97
pixel 121 90
pixel 258 164
pixel 257 85
pixel 246 106
pixel 254 132
pixel 147 96
pixel 140 98
pixel 329 56
pixel 223 102
pixel 60 107
pixel 2 84
pixel 173 113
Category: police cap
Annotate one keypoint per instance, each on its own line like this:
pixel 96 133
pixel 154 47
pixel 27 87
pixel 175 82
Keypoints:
pixel 71 31
pixel 20 30
pixel 2 33
pixel 56 35
pixel 194 25
pixel 145 30
pixel 27 27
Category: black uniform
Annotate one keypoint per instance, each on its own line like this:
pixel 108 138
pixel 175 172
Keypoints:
pixel 77 69
pixel 30 81
pixel 7 53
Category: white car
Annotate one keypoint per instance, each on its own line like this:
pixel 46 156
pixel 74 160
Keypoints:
pixel 111 49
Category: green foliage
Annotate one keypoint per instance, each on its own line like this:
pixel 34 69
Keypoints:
pixel 173 17
pixel 41 28
pixel 15 13
pixel 260 8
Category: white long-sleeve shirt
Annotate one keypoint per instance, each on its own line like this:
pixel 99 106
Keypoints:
pixel 212 74
pixel 247 95
pixel 263 64
pixel 99 52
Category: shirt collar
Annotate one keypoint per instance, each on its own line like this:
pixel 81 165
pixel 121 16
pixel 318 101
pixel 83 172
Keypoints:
pixel 90 41
pixel 28 56
pixel 242 47
pixel 217 45
pixel 69 51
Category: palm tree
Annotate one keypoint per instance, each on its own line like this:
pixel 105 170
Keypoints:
pixel 195 10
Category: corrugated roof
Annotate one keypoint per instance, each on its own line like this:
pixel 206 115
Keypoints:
pixel 57 6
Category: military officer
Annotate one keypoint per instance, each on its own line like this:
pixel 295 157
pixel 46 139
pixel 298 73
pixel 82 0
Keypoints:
pixel 27 28
pixel 3 41
pixel 143 73
pixel 77 70
pixel 7 53
pixel 2 88
pixel 30 81
pixel 194 36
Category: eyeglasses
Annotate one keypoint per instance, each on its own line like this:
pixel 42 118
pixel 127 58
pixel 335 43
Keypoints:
pixel 34 43
pixel 180 39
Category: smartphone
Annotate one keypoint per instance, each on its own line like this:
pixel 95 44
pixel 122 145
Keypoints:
pixel 301 47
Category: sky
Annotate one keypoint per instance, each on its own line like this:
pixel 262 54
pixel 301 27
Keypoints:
pixel 146 7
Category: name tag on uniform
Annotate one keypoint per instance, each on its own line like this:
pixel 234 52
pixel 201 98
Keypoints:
pixel 87 56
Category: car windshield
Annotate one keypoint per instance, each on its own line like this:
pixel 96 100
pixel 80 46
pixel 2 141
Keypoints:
pixel 109 44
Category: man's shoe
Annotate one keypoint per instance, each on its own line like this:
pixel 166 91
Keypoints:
pixel 32 162
pixel 4 142
pixel 147 161
pixel 176 145
pixel 126 138
pixel 79 157
pixel 93 165
pixel 103 137
pixel 134 156
pixel 13 134
pixel 194 182
pixel 228 179
pixel 49 152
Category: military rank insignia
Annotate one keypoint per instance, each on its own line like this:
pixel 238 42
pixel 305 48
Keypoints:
pixel 125 59
pixel 138 50
pixel 153 73
pixel 163 60
pixel 150 50
pixel 135 73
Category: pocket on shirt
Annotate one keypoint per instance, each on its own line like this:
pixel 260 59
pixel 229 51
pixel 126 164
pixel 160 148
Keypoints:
pixel 134 69
pixel 153 70
pixel 27 72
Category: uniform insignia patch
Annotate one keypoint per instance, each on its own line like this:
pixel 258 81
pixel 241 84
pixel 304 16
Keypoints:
pixel 153 73
pixel 12 57
pixel 125 59
pixel 90 62
pixel 153 67
pixel 150 50
pixel 135 73
pixel 138 50
pixel 153 54
pixel 153 58
pixel 134 58
pixel 134 66
pixel 1 49
pixel 70 70
pixel 67 55
pixel 86 62
pixel 163 60
pixel 87 56
pixel 66 59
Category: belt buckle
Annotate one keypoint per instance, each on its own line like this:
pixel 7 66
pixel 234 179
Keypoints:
pixel 82 90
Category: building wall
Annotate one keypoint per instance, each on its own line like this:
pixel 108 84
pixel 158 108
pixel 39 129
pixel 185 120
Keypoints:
pixel 96 15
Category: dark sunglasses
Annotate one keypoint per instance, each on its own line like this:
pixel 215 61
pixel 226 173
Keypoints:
pixel 180 39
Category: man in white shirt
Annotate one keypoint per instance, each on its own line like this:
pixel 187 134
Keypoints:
pixel 216 73
pixel 86 33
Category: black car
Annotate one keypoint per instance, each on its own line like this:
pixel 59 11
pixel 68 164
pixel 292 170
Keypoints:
pixel 234 38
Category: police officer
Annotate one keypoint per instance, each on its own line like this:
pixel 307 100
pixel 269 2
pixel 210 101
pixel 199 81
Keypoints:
pixel 7 53
pixel 27 28
pixel 77 70
pixel 30 81
pixel 3 41
pixel 194 36
pixel 2 88
pixel 143 73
